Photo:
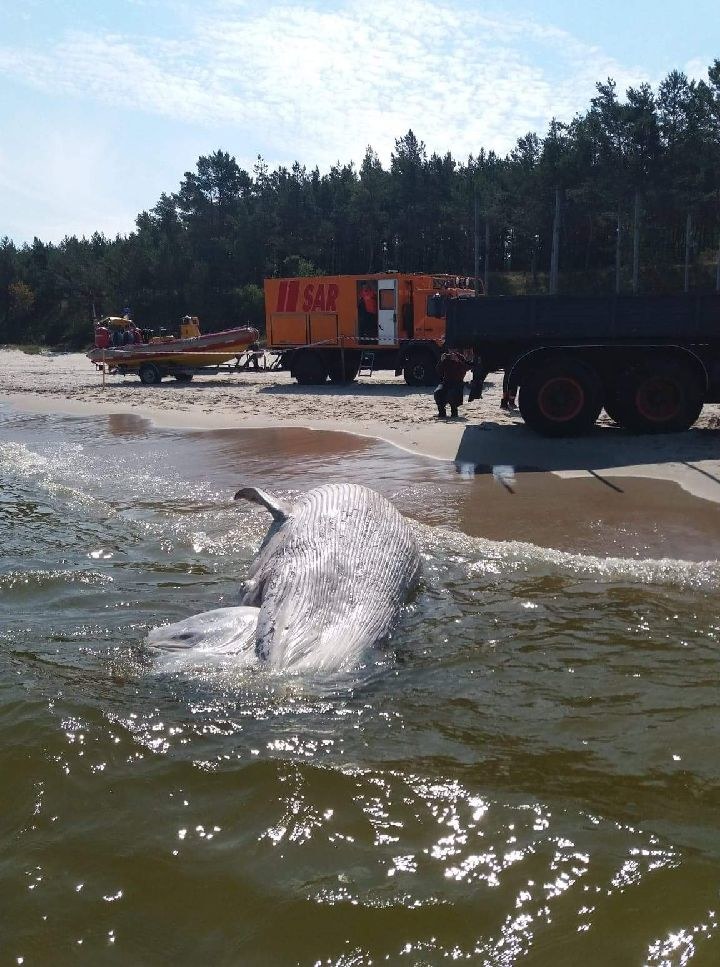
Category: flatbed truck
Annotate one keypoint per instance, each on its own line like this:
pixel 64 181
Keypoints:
pixel 650 361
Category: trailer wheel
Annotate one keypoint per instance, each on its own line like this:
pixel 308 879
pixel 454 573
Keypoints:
pixel 561 398
pixel 420 368
pixel 183 377
pixel 309 369
pixel 664 397
pixel 149 374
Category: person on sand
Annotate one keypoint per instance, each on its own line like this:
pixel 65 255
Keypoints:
pixel 253 356
pixel 508 394
pixel 451 369
pixel 479 374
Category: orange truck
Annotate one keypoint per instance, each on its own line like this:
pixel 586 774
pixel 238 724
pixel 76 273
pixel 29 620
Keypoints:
pixel 338 325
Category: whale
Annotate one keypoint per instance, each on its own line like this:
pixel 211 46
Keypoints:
pixel 328 583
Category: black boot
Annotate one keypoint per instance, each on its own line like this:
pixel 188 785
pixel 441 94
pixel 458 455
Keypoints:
pixel 442 413
pixel 453 412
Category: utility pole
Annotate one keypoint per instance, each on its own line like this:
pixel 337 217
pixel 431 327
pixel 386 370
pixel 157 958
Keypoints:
pixel 636 245
pixel 688 233
pixel 555 253
pixel 477 241
pixel 533 261
pixel 618 261
pixel 486 281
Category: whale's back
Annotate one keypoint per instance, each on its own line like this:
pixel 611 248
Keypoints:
pixel 332 579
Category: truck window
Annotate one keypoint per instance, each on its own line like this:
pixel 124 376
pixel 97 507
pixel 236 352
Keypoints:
pixel 387 298
pixel 436 306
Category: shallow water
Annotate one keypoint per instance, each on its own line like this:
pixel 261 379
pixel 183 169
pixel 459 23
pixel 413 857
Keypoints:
pixel 528 773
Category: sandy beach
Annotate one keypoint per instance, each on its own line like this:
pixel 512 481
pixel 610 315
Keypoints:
pixel 380 406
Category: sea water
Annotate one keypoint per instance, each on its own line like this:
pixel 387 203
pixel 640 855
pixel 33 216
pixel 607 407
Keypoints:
pixel 526 773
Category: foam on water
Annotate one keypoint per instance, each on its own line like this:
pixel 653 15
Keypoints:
pixel 527 772
pixel 480 556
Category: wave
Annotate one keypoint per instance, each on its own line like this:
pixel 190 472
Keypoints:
pixel 480 556
pixel 51 579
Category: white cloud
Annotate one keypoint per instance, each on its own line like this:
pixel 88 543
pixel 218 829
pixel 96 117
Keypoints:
pixel 70 190
pixel 296 81
pixel 697 68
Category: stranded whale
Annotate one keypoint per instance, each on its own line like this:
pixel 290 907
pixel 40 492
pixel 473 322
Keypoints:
pixel 328 582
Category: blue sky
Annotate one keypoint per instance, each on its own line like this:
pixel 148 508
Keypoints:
pixel 105 104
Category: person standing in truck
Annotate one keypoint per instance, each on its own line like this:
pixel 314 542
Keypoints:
pixel 451 369
pixel 367 311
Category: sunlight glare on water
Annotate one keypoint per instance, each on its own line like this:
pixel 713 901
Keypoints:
pixel 526 773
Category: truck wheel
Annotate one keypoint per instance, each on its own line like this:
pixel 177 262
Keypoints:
pixel 183 377
pixel 664 397
pixel 561 398
pixel 309 369
pixel 420 369
pixel 149 374
pixel 335 371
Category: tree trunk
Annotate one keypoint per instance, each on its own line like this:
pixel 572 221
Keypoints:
pixel 688 233
pixel 717 275
pixel 487 256
pixel 636 245
pixel 589 243
pixel 476 202
pixel 533 268
pixel 555 253
pixel 618 260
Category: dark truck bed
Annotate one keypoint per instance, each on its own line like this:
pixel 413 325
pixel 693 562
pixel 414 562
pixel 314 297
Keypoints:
pixel 650 361
pixel 685 318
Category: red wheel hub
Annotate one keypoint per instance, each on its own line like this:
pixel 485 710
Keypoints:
pixel 658 399
pixel 561 399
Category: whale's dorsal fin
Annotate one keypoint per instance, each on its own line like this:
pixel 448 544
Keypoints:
pixel 278 508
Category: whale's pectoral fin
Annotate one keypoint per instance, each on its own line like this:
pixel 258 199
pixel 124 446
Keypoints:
pixel 278 508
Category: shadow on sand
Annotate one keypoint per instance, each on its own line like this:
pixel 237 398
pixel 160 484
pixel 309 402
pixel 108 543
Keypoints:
pixel 485 447
pixel 359 390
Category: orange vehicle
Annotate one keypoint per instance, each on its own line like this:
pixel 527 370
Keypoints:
pixel 337 325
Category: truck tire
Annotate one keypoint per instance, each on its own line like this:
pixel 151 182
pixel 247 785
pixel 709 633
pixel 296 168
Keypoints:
pixel 335 371
pixel 563 397
pixel 661 397
pixel 309 369
pixel 420 368
pixel 149 374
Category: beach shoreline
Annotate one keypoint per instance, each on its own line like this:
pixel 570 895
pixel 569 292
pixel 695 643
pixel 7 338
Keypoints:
pixel 380 407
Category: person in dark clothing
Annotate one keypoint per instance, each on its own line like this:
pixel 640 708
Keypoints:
pixel 479 375
pixel 253 357
pixel 367 312
pixel 508 395
pixel 451 369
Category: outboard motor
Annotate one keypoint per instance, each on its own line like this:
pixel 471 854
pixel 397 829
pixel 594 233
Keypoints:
pixel 102 337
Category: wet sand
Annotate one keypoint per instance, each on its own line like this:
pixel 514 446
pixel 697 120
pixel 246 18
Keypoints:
pixel 379 407
pixel 594 514
pixel 619 516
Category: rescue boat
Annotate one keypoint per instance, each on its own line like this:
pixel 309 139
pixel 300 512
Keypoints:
pixel 119 346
